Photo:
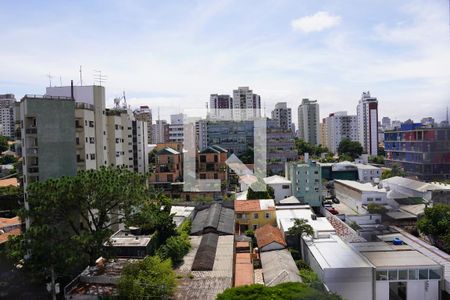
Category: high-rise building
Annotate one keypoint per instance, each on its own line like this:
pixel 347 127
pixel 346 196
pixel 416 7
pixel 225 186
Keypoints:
pixel 324 133
pixel 220 107
pixel 428 121
pixel 201 133
pixel 283 116
pixel 160 132
pixel 306 181
pixel 176 133
pixel 367 111
pixel 233 136
pixel 420 150
pixel 309 121
pixel 280 145
pixel 144 113
pixel 7 120
pixel 386 123
pixel 340 126
pixel 94 97
pixel 246 104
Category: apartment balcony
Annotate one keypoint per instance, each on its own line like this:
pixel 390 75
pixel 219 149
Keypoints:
pixel 31 130
pixel 32 151
pixel 33 170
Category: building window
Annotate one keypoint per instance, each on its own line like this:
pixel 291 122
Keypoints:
pixel 413 274
pixel 267 215
pixel 255 226
pixel 91 123
pixel 402 274
pixel 255 216
pixel 392 274
pixel 369 199
pixel 377 199
pixel 285 186
pixel 435 274
pixel 423 274
pixel 381 275
pixel 93 156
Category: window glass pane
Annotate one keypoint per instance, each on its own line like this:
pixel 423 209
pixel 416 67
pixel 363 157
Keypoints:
pixel 435 274
pixel 413 274
pixel 381 275
pixel 402 274
pixel 423 274
pixel 392 274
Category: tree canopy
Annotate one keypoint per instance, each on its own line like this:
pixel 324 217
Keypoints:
pixel 3 143
pixel 436 224
pixel 304 147
pixel 395 170
pixel 375 208
pixel 284 291
pixel 351 148
pixel 150 278
pixel 269 193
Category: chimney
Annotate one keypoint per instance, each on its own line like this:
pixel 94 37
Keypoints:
pixel 71 89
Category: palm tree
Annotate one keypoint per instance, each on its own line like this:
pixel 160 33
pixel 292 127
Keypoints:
pixel 301 228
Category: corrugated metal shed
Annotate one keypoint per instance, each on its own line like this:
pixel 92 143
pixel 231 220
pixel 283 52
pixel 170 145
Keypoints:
pixel 278 267
pixel 206 253
pixel 216 219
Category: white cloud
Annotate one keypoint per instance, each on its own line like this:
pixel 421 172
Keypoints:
pixel 317 22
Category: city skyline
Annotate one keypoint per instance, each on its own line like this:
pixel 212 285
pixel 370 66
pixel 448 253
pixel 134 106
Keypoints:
pixel 173 56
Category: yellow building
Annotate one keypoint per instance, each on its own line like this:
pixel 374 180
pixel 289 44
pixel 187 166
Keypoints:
pixel 253 214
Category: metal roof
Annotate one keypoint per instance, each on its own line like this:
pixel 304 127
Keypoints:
pixel 279 267
pixel 216 218
pixel 276 179
pixel 206 253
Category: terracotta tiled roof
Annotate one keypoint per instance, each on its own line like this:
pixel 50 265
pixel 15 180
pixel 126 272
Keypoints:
pixel 250 205
pixel 268 234
pixel 243 270
pixel 5 222
pixel 4 236
pixel 9 182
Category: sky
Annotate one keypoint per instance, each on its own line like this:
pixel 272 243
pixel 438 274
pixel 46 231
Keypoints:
pixel 172 54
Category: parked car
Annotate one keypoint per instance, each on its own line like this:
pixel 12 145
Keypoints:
pixel 332 210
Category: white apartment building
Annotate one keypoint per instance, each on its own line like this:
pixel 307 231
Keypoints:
pixel 309 121
pixel 201 131
pixel 324 133
pixel 246 104
pixel 7 117
pixel 283 115
pixel 176 128
pixel 340 126
pixel 220 107
pixel 160 132
pixel 144 113
pixel 367 112
pixel 85 136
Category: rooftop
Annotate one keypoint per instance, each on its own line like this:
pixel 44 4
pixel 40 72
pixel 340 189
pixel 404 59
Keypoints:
pixel 363 187
pixel 9 182
pixel 254 205
pixel 393 258
pixel 243 269
pixel 276 179
pixel 268 234
pixel 287 214
pixel 124 238
pixel 278 266
pixel 215 218
pixel 333 252
pixel 289 200
pixel 416 185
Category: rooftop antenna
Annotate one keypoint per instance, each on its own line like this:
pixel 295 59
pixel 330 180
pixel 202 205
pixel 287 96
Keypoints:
pixel 124 105
pixel 99 77
pixel 50 79
pixel 81 76
pixel 60 80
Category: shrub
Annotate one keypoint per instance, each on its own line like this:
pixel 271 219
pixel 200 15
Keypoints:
pixel 302 265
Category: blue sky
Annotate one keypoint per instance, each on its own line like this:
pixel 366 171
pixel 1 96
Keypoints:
pixel 173 54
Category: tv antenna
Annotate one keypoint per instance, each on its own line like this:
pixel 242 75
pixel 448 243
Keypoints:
pixel 50 79
pixel 81 76
pixel 99 77
pixel 117 101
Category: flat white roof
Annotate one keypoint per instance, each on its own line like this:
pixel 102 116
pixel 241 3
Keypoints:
pixel 367 167
pixel 287 214
pixel 335 253
pixel 416 185
pixel 363 187
pixel 182 211
pixel 395 259
pixel 265 204
pixel 276 179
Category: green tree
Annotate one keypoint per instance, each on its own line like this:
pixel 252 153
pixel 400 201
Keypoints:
pixel 3 143
pixel 436 224
pixel 395 170
pixel 375 208
pixel 284 291
pixel 268 194
pixel 350 148
pixel 248 156
pixel 303 147
pixel 150 278
pixel 175 248
pixel 7 159
pixel 299 229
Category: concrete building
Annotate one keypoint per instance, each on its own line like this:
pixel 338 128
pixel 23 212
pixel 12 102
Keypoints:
pixel 130 243
pixel 85 136
pixel 324 133
pixel 340 126
pixel 309 121
pixel 306 179
pixel 47 138
pixel 367 112
pixel 386 123
pixel 233 136
pixel 358 195
pixel 269 238
pixel 220 107
pixel 168 166
pixel 280 145
pixel 421 151
pixel 246 104
pixel 176 128
pixel 144 113
pixel 211 163
pixel 368 173
pixel 95 96
pixel 201 134
pixel 160 132
pixel 281 187
pixel 7 116
pixel 283 116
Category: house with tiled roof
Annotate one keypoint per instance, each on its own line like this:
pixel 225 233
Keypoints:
pixel 253 214
pixel 269 238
